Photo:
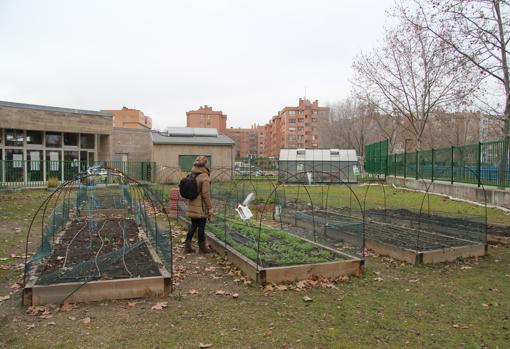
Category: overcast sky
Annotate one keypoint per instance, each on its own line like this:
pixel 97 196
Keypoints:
pixel 246 58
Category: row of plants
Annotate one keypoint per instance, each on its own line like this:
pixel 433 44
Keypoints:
pixel 276 247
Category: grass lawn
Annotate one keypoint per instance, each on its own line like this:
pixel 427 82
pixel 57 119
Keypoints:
pixel 462 304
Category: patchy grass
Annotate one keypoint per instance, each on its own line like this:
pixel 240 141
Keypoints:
pixel 462 304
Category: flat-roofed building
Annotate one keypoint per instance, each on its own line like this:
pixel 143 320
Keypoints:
pixel 175 150
pixel 40 142
pixel 206 117
pixel 130 118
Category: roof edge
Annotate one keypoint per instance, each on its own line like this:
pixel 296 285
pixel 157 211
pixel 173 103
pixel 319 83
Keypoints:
pixel 7 104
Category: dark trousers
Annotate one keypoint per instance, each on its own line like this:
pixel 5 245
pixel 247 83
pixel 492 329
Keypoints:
pixel 197 223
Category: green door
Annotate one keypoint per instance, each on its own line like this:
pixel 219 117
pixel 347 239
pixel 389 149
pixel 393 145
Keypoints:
pixel 186 161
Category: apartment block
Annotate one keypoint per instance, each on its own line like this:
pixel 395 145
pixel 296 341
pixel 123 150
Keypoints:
pixel 246 140
pixel 206 117
pixel 130 118
pixel 294 127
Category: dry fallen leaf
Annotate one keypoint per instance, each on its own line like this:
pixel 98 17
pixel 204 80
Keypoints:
pixel 69 306
pixel 132 303
pixel 159 306
pixel 281 287
pixel 235 295
pixel 72 318
pixel 268 333
pixel 15 286
pixel 220 292
pixel 86 320
pixel 307 299
pixel 193 292
pixel 30 326
pixel 268 288
pixel 204 345
pixel 4 298
pixel 52 323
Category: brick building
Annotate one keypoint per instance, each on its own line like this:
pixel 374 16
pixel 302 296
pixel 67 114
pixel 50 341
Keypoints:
pixel 206 117
pixel 130 118
pixel 246 140
pixel 294 127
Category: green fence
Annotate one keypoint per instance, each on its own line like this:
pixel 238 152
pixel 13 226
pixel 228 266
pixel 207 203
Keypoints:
pixel 484 163
pixel 27 173
pixel 376 158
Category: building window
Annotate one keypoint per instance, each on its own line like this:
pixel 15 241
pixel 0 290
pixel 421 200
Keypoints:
pixel 15 155
pixel 314 119
pixel 71 139
pixel 301 112
pixel 291 138
pixel 292 121
pixel 34 137
pixel 301 120
pixel 87 141
pixel 315 112
pixel 53 140
pixel 13 138
pixel 300 128
pixel 315 138
pixel 300 137
pixel 292 129
pixel 292 112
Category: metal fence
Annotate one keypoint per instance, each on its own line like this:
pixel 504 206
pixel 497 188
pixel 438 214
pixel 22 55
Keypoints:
pixel 484 163
pixel 376 157
pixel 28 173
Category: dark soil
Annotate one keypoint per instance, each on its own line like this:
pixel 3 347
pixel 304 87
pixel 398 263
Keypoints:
pixel 402 236
pixel 94 250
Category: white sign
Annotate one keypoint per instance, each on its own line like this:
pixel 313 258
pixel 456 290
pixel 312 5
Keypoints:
pixel 309 177
pixel 35 164
pixel 244 212
pixel 54 157
pixel 17 160
pixel 355 170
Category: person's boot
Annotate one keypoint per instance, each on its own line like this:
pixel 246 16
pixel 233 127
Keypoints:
pixel 202 247
pixel 188 248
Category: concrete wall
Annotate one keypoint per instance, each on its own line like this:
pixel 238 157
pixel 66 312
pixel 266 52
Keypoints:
pixel 495 196
pixel 61 121
pixel 136 143
pixel 167 159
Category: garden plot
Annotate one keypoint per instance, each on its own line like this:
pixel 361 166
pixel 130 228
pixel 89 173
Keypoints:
pixel 472 228
pixel 272 255
pixel 403 243
pixel 100 245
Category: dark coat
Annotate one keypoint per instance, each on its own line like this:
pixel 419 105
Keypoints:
pixel 200 206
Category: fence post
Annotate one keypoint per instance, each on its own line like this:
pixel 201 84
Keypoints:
pixel 451 166
pixel 417 164
pixel 432 174
pixel 479 168
pixel 405 164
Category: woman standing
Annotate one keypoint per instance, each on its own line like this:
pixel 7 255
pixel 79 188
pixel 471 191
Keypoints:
pixel 200 208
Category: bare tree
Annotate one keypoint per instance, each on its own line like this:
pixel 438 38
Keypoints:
pixel 351 124
pixel 478 31
pixel 411 75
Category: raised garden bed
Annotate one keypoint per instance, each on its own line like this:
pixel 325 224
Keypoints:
pixel 94 259
pixel 277 256
pixel 402 243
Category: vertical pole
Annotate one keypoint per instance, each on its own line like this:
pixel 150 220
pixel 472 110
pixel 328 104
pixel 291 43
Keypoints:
pixel 405 163
pixel 479 167
pixel 432 174
pixel 395 167
pixel 451 166
pixel 417 163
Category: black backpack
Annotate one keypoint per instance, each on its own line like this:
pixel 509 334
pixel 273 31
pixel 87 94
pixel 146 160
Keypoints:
pixel 188 187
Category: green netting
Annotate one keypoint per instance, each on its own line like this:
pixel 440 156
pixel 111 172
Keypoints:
pixel 93 232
